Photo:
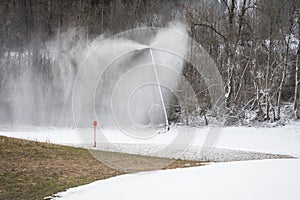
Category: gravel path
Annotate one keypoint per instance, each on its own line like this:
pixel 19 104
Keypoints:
pixel 192 153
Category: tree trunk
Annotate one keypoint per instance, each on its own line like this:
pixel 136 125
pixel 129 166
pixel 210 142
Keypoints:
pixel 267 102
pixel 280 92
pixel 296 84
pixel 297 71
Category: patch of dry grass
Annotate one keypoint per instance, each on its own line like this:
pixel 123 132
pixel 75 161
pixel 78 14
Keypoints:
pixel 33 170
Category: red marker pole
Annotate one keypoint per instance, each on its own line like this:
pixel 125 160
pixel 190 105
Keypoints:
pixel 95 124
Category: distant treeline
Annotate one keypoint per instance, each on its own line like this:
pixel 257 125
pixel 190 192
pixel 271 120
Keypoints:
pixel 22 21
pixel 255 44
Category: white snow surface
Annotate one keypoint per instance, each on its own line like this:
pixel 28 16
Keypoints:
pixel 280 140
pixel 264 179
pixel 259 180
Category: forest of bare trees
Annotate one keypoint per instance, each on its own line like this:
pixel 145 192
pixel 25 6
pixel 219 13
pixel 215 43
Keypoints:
pixel 255 44
pixel 256 47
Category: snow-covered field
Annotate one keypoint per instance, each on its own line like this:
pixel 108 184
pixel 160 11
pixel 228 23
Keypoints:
pixel 264 179
pixel 282 140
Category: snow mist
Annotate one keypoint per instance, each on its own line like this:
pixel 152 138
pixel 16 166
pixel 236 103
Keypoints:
pixel 111 79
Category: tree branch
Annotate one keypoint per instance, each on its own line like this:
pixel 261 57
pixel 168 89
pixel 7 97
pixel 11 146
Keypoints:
pixel 212 28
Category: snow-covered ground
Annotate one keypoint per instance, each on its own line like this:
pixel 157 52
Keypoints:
pixel 253 180
pixel 264 179
pixel 281 140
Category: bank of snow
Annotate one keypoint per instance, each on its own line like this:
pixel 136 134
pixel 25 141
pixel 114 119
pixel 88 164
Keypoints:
pixel 259 180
